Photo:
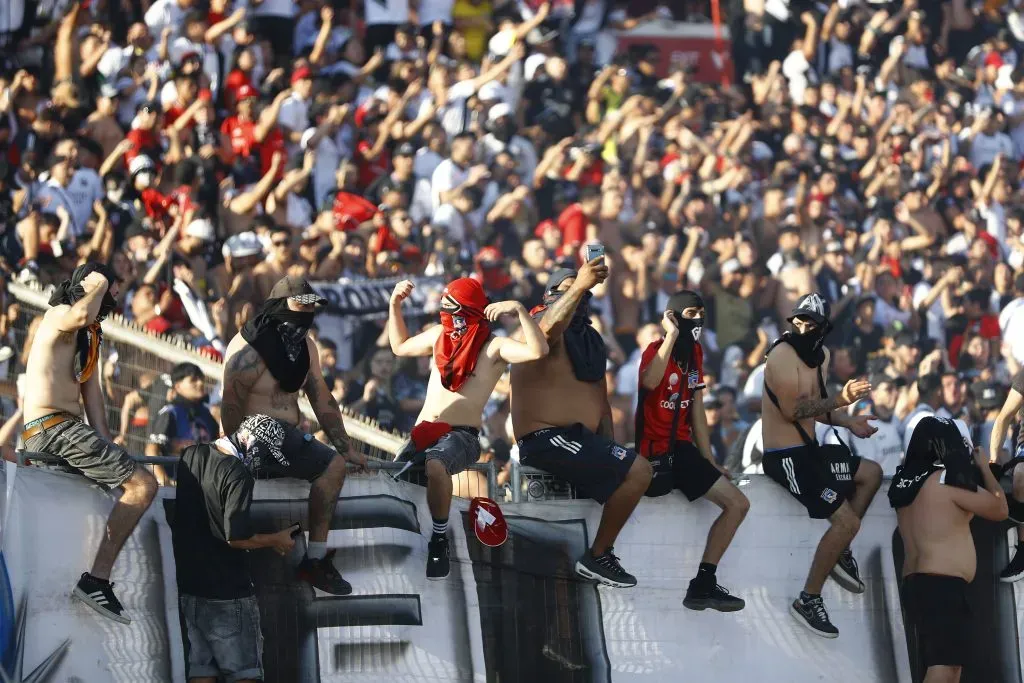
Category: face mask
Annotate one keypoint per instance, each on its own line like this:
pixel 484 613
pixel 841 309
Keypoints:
pixel 293 326
pixel 115 196
pixel 809 346
pixel 690 330
pixel 143 180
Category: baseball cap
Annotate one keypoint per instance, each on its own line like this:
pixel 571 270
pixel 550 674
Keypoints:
pixel 406 149
pixel 241 245
pixel 246 91
pixel 185 371
pixel 202 229
pixel 139 164
pixel 989 395
pixel 812 306
pixel 499 110
pixel 834 247
pixel 302 73
pixel 298 290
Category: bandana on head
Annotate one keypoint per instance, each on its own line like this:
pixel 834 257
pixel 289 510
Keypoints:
pixel 936 444
pixel 465 331
pixel 89 338
pixel 689 328
pixel 258 440
pixel 279 334
pixel 584 345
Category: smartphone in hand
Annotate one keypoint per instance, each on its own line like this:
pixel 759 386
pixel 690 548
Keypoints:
pixel 594 251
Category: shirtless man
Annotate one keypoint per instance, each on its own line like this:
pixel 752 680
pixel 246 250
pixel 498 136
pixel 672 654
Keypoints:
pixel 562 420
pixel 829 481
pixel 63 365
pixel 935 493
pixel 468 362
pixel 266 365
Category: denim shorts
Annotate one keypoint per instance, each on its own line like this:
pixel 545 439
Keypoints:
pixel 85 451
pixel 222 638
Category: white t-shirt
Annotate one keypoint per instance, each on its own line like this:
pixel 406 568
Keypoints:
pixel 984 148
pixel 884 446
pixel 328 158
pixel 934 316
pixel 797 71
pixel 162 14
pixel 276 8
pixel 386 11
pixel 436 10
pixel 519 147
pixel 451 221
pixel 426 162
pixel 753 449
pixel 85 188
pixel 446 176
pixel 1011 322
pixel 453 114
pixel 294 115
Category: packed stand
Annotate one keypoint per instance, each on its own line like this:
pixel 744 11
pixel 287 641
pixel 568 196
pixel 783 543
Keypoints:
pixel 867 151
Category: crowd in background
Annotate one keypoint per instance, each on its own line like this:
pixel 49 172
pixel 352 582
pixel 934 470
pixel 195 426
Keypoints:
pixel 870 151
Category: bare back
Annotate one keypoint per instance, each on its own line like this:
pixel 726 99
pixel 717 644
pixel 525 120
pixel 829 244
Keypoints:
pixel 52 387
pixel 783 362
pixel 937 534
pixel 546 393
pixel 265 396
pixel 465 407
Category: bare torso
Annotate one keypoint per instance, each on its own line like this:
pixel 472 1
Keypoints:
pixel 465 408
pixel 778 432
pixel 51 367
pixel 546 393
pixel 937 534
pixel 266 396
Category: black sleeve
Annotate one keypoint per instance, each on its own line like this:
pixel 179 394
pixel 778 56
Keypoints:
pixel 165 428
pixel 1017 383
pixel 231 521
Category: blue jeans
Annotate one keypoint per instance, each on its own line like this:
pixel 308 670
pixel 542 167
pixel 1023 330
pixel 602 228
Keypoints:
pixel 222 638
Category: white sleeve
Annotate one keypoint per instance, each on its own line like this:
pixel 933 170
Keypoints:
pixel 156 19
pixel 440 181
pixel 461 91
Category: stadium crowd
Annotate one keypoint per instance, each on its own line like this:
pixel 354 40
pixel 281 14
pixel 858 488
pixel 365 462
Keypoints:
pixel 869 151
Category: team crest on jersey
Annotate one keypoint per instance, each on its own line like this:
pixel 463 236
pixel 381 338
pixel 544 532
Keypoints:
pixel 693 380
pixel 619 452
pixel 829 496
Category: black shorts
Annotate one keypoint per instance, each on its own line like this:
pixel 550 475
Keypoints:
pixel 85 452
pixel 684 469
pixel 820 477
pixel 594 464
pixel 306 457
pixel 939 614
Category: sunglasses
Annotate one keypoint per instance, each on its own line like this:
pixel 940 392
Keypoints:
pixel 281 243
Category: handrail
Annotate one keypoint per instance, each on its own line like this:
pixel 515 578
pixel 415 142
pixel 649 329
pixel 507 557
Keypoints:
pixel 120 329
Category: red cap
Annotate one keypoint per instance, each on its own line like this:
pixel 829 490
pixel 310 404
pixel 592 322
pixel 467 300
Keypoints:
pixel 301 73
pixel 994 59
pixel 246 91
pixel 543 227
pixel 488 522
pixel 488 256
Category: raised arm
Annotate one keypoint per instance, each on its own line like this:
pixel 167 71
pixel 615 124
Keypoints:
pixel 84 311
pixel 402 345
pixel 533 345
pixel 247 201
pixel 241 371
pixel 652 375
pixel 1014 402
pixel 558 315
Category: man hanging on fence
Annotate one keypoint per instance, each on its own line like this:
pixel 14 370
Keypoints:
pixel 266 365
pixel 63 370
pixel 561 416
pixel 468 362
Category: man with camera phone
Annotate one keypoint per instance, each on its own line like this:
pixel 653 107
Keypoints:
pixel 936 494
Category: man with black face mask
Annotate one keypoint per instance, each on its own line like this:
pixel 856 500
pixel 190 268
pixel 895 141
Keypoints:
pixel 64 369
pixel 828 480
pixel 935 493
pixel 266 365
pixel 673 434
pixel 562 420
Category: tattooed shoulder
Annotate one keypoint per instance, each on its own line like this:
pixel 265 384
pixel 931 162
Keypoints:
pixel 246 361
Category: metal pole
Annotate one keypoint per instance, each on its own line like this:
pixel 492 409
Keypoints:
pixel 516 482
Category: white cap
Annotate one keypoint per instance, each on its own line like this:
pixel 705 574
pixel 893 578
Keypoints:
pixel 241 245
pixel 202 229
pixel 140 163
pixel 306 137
pixel 499 110
pixel 492 90
pixel 533 62
pixel 501 42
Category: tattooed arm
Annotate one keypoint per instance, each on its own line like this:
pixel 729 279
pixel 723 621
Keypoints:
pixel 241 371
pixel 782 376
pixel 327 410
pixel 559 314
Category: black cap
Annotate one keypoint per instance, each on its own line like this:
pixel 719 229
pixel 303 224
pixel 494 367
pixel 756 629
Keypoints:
pixel 559 276
pixel 406 149
pixel 184 371
pixel 812 306
pixel 989 395
pixel 298 290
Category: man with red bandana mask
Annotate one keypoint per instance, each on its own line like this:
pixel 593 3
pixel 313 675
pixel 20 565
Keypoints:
pixel 468 361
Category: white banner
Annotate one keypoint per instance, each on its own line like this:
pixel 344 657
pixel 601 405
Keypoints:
pixel 514 614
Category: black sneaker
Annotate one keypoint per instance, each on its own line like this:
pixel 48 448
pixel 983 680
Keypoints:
pixel 1015 569
pixel 711 596
pixel 847 574
pixel 439 565
pixel 811 613
pixel 324 575
pixel 100 596
pixel 604 569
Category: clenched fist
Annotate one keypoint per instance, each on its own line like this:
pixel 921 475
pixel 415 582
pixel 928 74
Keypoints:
pixel 402 291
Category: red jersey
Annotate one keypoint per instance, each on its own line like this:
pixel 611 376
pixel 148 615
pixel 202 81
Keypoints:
pixel 986 327
pixel 656 408
pixel 242 135
pixel 573 224
pixel 143 142
pixel 369 171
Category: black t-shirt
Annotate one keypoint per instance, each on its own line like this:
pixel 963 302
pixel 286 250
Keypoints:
pixel 211 508
pixel 550 106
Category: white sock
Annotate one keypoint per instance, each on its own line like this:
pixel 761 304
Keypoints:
pixel 316 550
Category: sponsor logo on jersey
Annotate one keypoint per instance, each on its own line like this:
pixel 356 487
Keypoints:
pixel 671 404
